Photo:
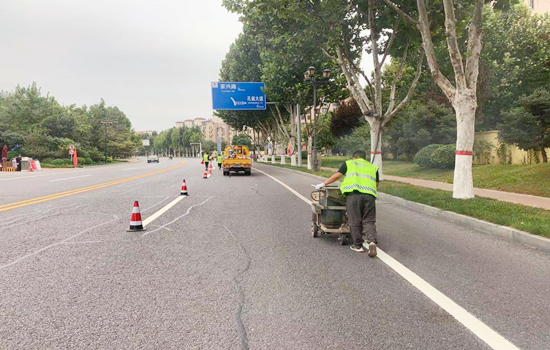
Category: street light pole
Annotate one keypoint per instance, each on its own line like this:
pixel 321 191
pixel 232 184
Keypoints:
pixel 309 77
pixel 106 123
pixel 315 159
pixel 299 136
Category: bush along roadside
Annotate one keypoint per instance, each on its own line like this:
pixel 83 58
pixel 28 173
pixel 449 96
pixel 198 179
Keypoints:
pixel 524 218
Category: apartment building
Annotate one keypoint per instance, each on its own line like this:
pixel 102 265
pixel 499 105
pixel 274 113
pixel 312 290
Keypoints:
pixel 216 127
pixel 538 6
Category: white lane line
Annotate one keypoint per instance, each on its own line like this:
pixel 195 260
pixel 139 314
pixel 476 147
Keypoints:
pixel 163 210
pixel 484 332
pixel 179 217
pixel 480 329
pixel 58 243
pixel 68 178
pixel 287 187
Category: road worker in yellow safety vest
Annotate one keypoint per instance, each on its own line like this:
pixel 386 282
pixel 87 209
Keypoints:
pixel 219 159
pixel 360 186
pixel 206 160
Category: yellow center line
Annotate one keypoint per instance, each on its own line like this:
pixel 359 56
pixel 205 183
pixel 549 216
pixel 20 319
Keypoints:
pixel 50 197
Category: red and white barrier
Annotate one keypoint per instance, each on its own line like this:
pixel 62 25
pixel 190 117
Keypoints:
pixel 135 220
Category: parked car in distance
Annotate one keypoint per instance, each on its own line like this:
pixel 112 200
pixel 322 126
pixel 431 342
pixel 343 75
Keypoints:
pixel 152 158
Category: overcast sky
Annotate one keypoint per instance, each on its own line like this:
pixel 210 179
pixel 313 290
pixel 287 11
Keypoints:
pixel 153 59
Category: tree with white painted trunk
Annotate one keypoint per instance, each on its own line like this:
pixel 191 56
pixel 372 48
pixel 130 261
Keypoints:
pixel 376 111
pixel 462 94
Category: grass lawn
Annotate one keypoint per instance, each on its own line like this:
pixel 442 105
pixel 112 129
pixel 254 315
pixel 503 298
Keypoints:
pixel 529 219
pixel 531 179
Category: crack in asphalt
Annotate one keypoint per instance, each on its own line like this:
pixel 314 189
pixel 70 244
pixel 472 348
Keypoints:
pixel 255 189
pixel 241 329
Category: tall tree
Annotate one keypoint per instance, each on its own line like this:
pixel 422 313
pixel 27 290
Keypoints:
pixel 463 94
pixel 528 125
pixel 516 58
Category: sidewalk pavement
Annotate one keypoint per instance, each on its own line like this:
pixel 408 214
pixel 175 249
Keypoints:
pixel 524 199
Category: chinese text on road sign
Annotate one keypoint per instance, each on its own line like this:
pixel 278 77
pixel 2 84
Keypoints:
pixel 238 96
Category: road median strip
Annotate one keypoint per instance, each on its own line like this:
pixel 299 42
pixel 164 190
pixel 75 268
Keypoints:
pixel 50 197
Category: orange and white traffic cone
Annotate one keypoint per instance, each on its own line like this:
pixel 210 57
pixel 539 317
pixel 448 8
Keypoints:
pixel 205 175
pixel 210 167
pixel 135 221
pixel 184 189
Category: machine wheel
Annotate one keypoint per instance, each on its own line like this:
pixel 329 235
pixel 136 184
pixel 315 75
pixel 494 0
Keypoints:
pixel 247 172
pixel 314 230
pixel 225 173
pixel 342 239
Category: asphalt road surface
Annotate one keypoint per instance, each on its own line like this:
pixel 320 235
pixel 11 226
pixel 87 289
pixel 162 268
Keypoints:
pixel 234 266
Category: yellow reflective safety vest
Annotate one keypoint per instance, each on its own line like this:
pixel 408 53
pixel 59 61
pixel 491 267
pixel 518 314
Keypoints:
pixel 205 157
pixel 361 177
pixel 220 159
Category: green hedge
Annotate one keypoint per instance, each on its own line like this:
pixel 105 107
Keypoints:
pixel 444 157
pixel 61 162
pixel 424 157
pixel 436 156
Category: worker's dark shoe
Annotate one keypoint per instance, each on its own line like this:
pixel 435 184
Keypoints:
pixel 372 250
pixel 357 248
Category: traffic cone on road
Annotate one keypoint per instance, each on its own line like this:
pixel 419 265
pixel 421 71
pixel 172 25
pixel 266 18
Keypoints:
pixel 210 169
pixel 184 189
pixel 205 175
pixel 135 221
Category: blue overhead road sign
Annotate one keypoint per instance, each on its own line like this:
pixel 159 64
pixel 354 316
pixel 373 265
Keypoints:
pixel 238 96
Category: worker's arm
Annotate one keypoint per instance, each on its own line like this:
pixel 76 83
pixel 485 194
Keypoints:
pixel 333 178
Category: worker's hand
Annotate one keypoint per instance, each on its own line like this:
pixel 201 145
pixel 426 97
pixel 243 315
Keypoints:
pixel 319 186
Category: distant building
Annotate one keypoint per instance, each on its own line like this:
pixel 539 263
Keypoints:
pixel 538 6
pixel 198 121
pixel 216 127
pixel 145 132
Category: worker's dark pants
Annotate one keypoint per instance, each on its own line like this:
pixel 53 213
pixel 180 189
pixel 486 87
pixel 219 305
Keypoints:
pixel 206 165
pixel 361 210
pixel 219 165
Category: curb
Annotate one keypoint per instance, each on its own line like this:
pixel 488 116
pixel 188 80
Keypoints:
pixel 504 232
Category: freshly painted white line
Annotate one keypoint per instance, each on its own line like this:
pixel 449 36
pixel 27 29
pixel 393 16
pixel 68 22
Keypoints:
pixel 163 210
pixel 480 329
pixel 179 217
pixel 68 178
